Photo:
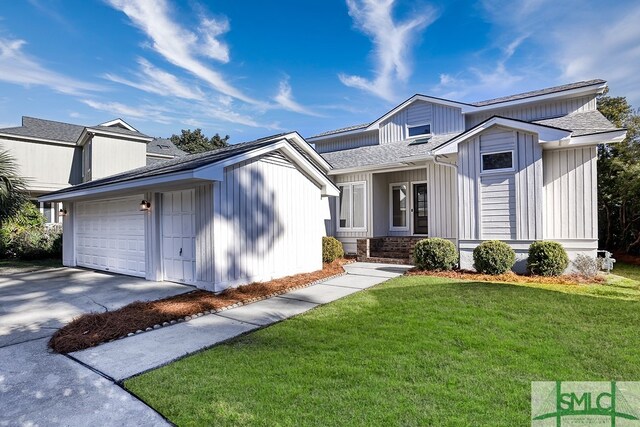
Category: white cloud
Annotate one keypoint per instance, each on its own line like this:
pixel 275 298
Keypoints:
pixel 17 67
pixel 180 46
pixel 285 99
pixel 154 80
pixel 392 45
pixel 143 112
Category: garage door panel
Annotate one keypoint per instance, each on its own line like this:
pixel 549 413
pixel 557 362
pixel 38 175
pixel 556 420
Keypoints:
pixel 110 235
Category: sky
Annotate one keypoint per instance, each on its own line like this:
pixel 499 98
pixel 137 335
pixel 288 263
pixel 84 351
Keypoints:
pixel 254 68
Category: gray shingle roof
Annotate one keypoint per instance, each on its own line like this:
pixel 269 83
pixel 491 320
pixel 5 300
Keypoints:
pixel 518 96
pixel 584 123
pixel 539 92
pixel 345 129
pixel 59 131
pixel 164 146
pixel 372 155
pixel 177 164
pixel 46 129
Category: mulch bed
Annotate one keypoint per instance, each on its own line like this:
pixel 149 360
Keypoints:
pixel 92 329
pixel 567 279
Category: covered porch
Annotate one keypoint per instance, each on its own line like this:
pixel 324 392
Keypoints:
pixel 382 213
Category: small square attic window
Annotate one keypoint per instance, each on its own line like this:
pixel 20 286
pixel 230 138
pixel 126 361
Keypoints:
pixel 419 130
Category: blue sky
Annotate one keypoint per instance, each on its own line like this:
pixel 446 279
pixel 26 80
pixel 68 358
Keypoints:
pixel 250 69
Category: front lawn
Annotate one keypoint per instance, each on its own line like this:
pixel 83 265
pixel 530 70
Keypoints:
pixel 15 265
pixel 413 351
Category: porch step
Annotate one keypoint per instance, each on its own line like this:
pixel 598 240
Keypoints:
pixel 380 260
pixel 399 254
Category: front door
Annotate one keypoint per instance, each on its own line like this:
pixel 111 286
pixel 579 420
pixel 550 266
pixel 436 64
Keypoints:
pixel 178 236
pixel 420 216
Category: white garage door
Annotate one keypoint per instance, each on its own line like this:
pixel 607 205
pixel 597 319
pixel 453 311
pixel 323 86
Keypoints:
pixel 110 235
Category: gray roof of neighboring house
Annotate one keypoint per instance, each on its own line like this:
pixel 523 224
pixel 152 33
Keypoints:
pixel 164 146
pixel 59 131
pixel 382 154
pixel 46 129
pixel 585 123
pixel 518 96
pixel 177 164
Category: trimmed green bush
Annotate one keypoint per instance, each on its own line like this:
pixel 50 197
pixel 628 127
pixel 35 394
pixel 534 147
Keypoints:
pixel 493 257
pixel 331 249
pixel 547 259
pixel 435 253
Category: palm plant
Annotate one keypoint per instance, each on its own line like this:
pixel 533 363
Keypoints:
pixel 13 187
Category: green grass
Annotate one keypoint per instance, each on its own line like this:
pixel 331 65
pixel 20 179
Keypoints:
pixel 35 264
pixel 413 351
pixel 624 269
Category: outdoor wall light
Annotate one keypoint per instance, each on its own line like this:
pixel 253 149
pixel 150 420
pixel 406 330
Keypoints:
pixel 145 205
pixel 63 212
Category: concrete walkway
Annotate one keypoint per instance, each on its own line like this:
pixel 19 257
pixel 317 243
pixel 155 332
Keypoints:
pixel 124 358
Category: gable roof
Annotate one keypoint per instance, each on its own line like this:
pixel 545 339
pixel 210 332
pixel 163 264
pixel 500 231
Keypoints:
pixel 585 123
pixel 51 130
pixel 468 107
pixel 193 162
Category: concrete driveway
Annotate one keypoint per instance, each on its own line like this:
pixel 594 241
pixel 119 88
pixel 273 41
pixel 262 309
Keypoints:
pixel 42 388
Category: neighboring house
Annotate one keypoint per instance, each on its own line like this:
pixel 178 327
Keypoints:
pixel 248 212
pixel 55 155
pixel 519 169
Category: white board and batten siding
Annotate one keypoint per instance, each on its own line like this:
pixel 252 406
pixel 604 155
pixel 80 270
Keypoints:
pixel 347 142
pixel 570 192
pixel 443 120
pixel 501 205
pixel 536 111
pixel 267 222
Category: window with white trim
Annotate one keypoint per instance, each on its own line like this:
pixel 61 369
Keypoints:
pixel 496 162
pixel 419 130
pixel 398 203
pixel 351 206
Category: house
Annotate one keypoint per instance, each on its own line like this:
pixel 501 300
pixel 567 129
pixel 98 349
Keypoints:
pixel 55 155
pixel 519 168
pixel 248 212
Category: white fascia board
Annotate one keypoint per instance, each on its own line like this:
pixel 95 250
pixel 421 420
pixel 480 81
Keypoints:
pixel 545 133
pixel 33 139
pixel 586 90
pixel 304 145
pixel 215 171
pixel 119 186
pixel 611 137
pixel 120 122
pixel 119 135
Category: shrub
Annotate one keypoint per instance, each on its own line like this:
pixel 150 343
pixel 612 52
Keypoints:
pixel 25 237
pixel 493 257
pixel 547 259
pixel 587 266
pixel 435 253
pixel 331 249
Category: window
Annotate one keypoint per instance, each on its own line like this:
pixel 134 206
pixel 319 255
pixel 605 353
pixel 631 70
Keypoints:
pixel 86 162
pixel 502 161
pixel 351 206
pixel 419 130
pixel 398 206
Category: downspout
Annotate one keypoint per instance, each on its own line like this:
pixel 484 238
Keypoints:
pixel 455 168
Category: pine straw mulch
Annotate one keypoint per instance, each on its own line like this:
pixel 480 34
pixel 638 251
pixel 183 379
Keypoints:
pixel 510 277
pixel 628 258
pixel 89 330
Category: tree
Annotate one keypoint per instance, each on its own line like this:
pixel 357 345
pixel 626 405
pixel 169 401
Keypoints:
pixel 619 179
pixel 196 142
pixel 13 191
